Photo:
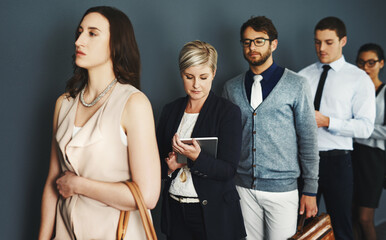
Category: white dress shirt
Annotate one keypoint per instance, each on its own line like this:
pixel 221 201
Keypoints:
pixel 348 99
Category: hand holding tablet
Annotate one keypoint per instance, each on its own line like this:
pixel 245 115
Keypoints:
pixel 207 144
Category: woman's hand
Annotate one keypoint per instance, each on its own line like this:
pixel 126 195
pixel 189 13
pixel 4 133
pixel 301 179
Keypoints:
pixel 66 184
pixel 190 151
pixel 172 163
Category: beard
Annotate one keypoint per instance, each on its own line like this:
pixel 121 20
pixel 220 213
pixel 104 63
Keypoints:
pixel 261 61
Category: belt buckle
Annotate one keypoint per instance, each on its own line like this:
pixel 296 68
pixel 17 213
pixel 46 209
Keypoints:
pixel 178 199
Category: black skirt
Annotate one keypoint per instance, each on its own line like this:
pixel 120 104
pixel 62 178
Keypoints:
pixel 369 172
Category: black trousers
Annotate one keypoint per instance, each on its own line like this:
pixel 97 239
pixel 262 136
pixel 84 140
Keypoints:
pixel 187 221
pixel 336 186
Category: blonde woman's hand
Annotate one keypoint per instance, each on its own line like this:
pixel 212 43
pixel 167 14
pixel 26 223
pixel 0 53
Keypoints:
pixel 66 184
pixel 191 151
pixel 172 163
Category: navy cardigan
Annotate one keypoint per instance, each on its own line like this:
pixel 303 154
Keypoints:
pixel 213 178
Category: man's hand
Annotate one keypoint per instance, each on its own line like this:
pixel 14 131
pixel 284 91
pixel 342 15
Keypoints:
pixel 321 120
pixel 308 204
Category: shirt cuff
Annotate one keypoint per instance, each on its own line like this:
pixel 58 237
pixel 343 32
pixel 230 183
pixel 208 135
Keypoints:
pixel 309 194
pixel 335 125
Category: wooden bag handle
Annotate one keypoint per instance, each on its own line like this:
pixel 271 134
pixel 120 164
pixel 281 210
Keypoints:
pixel 145 217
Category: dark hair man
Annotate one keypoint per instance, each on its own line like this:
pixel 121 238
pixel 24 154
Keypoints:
pixel 279 137
pixel 344 103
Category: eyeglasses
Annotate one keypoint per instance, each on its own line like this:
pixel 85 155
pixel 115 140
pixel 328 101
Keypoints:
pixel 259 42
pixel 369 63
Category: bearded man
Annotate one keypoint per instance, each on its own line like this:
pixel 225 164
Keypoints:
pixel 279 138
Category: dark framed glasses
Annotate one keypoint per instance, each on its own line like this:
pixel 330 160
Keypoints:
pixel 259 42
pixel 369 63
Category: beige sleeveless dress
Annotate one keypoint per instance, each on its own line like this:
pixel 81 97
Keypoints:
pixel 95 152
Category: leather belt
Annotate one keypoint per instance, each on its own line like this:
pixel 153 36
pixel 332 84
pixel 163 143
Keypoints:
pixel 333 153
pixel 184 199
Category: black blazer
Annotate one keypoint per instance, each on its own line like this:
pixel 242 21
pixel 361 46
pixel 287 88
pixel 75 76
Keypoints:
pixel 213 178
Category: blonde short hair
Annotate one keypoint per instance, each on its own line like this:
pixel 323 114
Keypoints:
pixel 197 53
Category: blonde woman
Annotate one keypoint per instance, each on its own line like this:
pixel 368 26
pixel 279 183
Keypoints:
pixel 200 200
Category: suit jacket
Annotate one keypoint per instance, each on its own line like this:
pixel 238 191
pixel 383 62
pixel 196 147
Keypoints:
pixel 213 178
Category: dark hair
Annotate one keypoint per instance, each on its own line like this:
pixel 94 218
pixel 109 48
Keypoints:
pixel 334 24
pixel 260 24
pixel 123 49
pixel 373 48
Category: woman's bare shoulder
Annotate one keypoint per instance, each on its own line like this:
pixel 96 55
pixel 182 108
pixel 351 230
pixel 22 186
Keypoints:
pixel 58 106
pixel 137 101
pixel 137 111
pixel 59 101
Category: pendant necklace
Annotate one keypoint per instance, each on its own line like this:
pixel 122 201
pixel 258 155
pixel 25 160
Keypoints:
pixel 98 97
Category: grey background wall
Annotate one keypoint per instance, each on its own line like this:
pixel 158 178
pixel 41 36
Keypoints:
pixel 37 41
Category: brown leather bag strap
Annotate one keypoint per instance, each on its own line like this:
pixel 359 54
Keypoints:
pixel 145 217
pixel 122 224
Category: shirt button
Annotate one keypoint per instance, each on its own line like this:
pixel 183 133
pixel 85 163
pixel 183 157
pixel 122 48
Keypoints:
pixel 204 202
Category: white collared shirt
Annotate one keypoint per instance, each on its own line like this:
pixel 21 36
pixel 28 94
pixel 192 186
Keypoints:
pixel 348 99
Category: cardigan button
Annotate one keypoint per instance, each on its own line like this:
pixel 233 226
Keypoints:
pixel 254 149
pixel 254 132
pixel 254 114
pixel 204 202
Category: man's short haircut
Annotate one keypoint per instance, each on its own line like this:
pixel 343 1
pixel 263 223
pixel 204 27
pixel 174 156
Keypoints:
pixel 334 24
pixel 260 24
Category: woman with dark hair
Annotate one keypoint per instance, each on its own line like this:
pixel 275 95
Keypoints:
pixel 103 134
pixel 369 154
pixel 200 200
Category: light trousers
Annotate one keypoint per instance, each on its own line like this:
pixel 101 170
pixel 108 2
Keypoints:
pixel 269 215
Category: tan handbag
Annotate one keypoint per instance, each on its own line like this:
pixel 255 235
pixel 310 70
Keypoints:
pixel 146 220
pixel 319 228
